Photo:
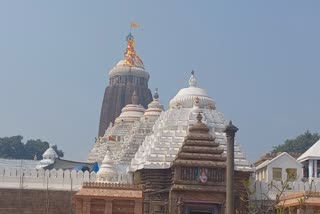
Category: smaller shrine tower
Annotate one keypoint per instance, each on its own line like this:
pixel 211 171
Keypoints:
pixel 126 77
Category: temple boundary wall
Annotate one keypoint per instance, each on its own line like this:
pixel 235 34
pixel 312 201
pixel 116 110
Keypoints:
pixel 15 178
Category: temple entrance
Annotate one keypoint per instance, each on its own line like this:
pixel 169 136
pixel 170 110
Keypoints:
pixel 202 209
pixel 201 212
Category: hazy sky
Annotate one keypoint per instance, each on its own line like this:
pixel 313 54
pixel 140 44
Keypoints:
pixel 259 61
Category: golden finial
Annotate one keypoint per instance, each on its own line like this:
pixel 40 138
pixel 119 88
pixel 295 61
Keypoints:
pixel 131 58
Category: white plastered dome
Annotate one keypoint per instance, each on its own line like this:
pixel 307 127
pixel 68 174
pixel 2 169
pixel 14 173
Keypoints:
pixel 186 97
pixel 122 69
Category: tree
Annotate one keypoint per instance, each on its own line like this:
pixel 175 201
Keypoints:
pixel 300 144
pixel 35 147
pixel 59 152
pixel 14 148
pixel 11 147
pixel 263 204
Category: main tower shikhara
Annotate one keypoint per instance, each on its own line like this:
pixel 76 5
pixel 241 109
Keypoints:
pixel 126 77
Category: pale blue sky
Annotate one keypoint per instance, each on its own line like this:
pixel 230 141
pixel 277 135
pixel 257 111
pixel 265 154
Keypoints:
pixel 259 61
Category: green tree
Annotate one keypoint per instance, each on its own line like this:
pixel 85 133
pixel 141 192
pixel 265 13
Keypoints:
pixel 300 144
pixel 14 148
pixel 59 152
pixel 35 147
pixel 11 147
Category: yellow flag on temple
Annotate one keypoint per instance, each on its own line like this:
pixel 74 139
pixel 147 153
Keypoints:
pixel 134 24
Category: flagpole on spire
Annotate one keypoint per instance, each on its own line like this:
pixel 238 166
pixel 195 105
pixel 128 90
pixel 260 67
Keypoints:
pixel 133 25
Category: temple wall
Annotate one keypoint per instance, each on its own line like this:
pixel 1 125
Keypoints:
pixel 31 201
pixel 156 183
pixel 16 178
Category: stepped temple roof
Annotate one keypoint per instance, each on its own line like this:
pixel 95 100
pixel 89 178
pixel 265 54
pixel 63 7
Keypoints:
pixel 159 150
pixel 199 148
pixel 129 130
pixel 131 112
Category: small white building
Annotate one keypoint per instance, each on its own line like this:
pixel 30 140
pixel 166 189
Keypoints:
pixel 310 161
pixel 281 168
pixel 49 156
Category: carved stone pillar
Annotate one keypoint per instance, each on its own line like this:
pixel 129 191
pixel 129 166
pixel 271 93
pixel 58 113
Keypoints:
pixel 230 132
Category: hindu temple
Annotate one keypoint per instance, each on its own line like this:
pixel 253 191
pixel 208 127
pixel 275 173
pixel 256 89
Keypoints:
pixel 174 160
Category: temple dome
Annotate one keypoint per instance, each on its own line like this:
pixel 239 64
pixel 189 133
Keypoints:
pixel 186 96
pixel 131 112
pixel 122 69
pixel 154 108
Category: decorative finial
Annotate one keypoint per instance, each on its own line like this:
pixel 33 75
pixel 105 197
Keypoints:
pixel 130 38
pixel 131 58
pixel 192 80
pixel 135 98
pixel 231 129
pixel 156 95
pixel 199 117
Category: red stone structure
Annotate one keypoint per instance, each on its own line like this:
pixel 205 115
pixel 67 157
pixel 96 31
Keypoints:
pixel 109 198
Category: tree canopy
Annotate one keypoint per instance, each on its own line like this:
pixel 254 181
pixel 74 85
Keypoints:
pixel 299 144
pixel 14 148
